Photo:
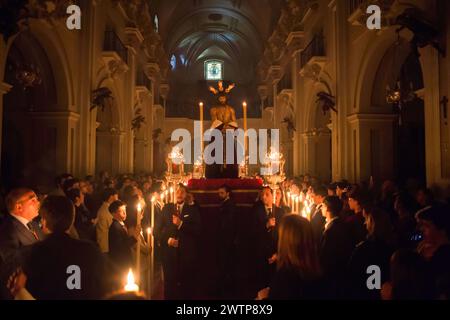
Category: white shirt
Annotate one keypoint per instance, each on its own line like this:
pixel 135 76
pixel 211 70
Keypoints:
pixel 180 206
pixel 22 220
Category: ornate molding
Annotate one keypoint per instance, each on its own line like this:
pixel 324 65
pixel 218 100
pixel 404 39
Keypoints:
pixel 133 38
pixel 274 73
pixel 114 64
pixel 313 68
pixel 164 90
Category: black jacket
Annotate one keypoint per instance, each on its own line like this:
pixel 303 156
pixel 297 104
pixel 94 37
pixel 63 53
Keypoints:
pixel 367 253
pixel 48 275
pixel 317 223
pixel 227 232
pixel 264 242
pixel 187 235
pixel 14 237
pixel 336 248
pixel 288 284
pixel 120 246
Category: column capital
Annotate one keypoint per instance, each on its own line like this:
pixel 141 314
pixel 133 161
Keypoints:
pixel 5 88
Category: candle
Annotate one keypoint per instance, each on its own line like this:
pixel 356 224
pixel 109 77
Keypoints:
pixel 150 270
pixel 131 286
pixel 138 244
pixel 172 196
pixel 152 246
pixel 201 130
pixel 244 107
pixel 288 198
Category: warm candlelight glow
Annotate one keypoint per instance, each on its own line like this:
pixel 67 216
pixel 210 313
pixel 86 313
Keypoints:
pixel 201 104
pixel 139 207
pixel 244 104
pixel 149 231
pixel 131 286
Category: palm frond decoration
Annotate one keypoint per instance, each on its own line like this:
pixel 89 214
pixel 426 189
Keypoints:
pixel 156 133
pixel 101 97
pixel 290 125
pixel 138 120
pixel 326 102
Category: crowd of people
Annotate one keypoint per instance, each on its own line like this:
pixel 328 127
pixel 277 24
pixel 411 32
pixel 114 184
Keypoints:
pixel 357 241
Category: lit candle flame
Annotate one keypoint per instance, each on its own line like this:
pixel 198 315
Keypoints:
pixel 131 286
pixel 149 231
pixel 139 207
pixel 201 104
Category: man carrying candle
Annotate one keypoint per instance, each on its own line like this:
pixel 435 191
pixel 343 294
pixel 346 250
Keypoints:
pixel 317 219
pixel 120 241
pixel 267 218
pixel 180 231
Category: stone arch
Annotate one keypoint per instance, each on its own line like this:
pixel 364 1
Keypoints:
pixel 43 123
pixel 380 122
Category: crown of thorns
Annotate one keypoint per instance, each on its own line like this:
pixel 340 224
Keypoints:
pixel 221 90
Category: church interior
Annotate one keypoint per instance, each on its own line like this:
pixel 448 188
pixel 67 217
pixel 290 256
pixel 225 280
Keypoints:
pixel 91 93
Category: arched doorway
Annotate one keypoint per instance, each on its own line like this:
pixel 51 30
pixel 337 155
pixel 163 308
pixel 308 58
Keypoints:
pixel 29 145
pixel 400 69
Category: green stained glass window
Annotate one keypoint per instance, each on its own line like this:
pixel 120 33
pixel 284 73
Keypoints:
pixel 214 70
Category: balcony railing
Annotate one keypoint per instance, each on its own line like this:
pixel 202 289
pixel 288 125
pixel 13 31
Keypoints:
pixel 286 81
pixel 355 4
pixel 113 43
pixel 316 48
pixel 143 81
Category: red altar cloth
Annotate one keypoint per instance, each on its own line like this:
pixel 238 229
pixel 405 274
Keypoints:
pixel 214 184
pixel 245 191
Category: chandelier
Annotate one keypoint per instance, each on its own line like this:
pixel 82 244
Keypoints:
pixel 400 94
pixel 28 76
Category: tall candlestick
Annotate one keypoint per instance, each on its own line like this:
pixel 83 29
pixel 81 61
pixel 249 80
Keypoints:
pixel 201 130
pixel 138 244
pixel 244 107
pixel 152 246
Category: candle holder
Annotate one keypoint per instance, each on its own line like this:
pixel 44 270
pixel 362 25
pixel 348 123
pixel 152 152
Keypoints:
pixel 175 168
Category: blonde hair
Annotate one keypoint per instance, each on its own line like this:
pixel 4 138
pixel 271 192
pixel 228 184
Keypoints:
pixel 297 247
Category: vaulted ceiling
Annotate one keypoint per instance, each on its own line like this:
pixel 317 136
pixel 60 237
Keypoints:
pixel 232 30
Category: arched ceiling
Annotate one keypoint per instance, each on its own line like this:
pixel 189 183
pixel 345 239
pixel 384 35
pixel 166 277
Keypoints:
pixel 233 30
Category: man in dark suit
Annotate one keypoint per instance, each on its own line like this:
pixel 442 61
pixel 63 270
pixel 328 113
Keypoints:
pixel 317 219
pixel 18 229
pixel 180 231
pixel 18 232
pixel 120 242
pixel 267 219
pixel 226 241
pixel 337 245
pixel 62 268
